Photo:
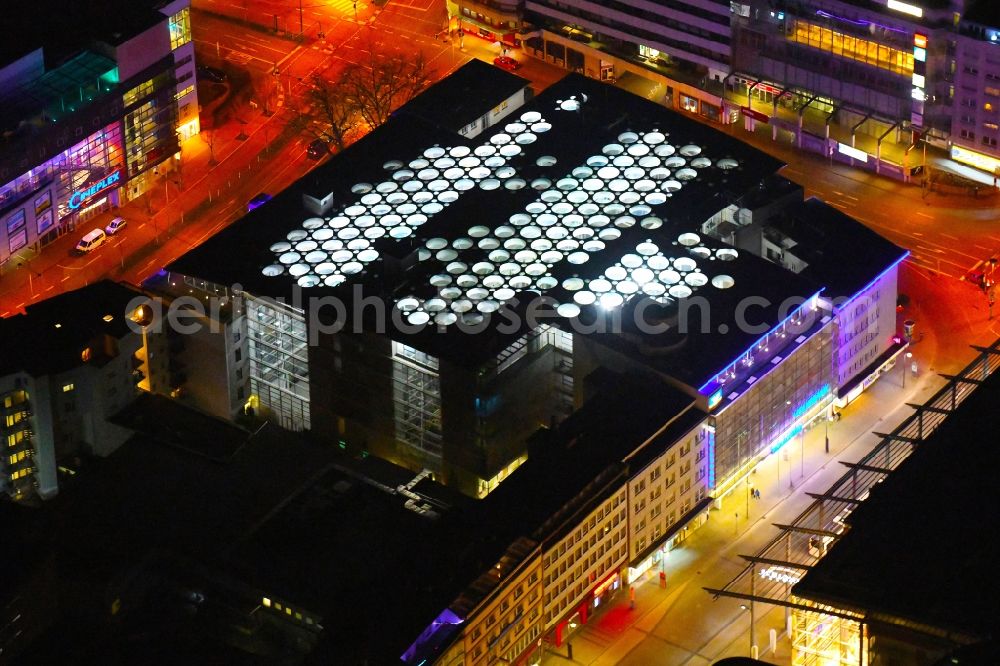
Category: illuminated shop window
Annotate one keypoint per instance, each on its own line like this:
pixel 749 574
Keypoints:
pixel 855 48
pixel 180 28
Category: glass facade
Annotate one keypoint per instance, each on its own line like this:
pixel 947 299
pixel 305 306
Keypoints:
pixel 39 205
pixel 150 119
pixel 279 364
pixel 772 409
pixel 855 48
pixel 416 394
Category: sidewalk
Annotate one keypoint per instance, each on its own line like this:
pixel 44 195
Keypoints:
pixel 682 624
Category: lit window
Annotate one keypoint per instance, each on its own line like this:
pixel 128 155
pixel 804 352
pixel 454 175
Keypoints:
pixel 85 355
pixel 180 28
pixel 107 317
pixel 67 388
pixel 267 602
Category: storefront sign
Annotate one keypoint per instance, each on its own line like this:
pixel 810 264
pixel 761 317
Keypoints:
pixel 781 574
pixel 978 160
pixel 905 8
pixel 852 152
pixel 109 181
pixel 756 115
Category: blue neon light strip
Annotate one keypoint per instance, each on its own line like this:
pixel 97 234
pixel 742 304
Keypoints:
pixel 820 12
pixel 711 459
pixel 787 437
pixel 811 401
pixel 868 286
pixel 758 340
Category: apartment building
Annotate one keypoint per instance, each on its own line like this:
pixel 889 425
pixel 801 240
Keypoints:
pixel 59 391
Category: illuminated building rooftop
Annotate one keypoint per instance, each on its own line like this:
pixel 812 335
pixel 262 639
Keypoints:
pixel 60 327
pixel 587 195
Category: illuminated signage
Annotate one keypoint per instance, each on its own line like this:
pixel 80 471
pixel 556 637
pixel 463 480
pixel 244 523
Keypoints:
pixel 714 399
pixel 920 40
pixel 978 160
pixel 852 152
pixel 919 54
pixel 781 575
pixel 918 80
pixel 109 181
pixel 905 8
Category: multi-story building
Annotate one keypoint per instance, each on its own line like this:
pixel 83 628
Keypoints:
pixel 972 74
pixel 90 116
pixel 668 490
pixel 205 362
pixel 83 361
pixel 402 282
pixel 682 47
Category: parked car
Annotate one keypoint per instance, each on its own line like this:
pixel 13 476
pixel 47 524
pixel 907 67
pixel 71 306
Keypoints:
pixel 317 149
pixel 506 62
pixel 213 74
pixel 93 240
pixel 258 201
pixel 115 225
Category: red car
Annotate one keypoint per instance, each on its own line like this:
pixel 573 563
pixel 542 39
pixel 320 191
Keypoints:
pixel 506 62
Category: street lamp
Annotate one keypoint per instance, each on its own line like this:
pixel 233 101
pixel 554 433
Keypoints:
pixel 826 430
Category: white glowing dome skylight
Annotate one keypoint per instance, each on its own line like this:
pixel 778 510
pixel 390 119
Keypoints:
pixel 573 217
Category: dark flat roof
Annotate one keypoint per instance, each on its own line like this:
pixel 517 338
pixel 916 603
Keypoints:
pixel 921 547
pixel 469 92
pixel 983 12
pixel 39 347
pixel 843 254
pixel 591 443
pixel 63 28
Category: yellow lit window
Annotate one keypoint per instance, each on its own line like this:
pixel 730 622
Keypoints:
pixel 67 388
pixel 267 602
pixel 182 93
pixel 987 107
pixel 288 611
pixel 141 91
pixel 180 28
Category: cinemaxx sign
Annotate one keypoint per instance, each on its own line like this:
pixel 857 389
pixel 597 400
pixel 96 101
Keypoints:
pixel 79 197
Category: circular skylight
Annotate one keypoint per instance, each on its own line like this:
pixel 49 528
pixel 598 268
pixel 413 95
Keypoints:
pixel 574 217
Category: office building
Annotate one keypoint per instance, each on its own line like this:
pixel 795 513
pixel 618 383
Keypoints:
pixel 92 112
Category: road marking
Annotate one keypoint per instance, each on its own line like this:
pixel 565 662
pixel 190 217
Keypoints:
pixel 929 217
pixel 64 279
pixel 950 236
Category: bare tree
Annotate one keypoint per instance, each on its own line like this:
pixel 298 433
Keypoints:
pixel 208 137
pixel 326 113
pixel 384 83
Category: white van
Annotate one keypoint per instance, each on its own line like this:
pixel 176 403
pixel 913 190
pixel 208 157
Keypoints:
pixel 91 241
